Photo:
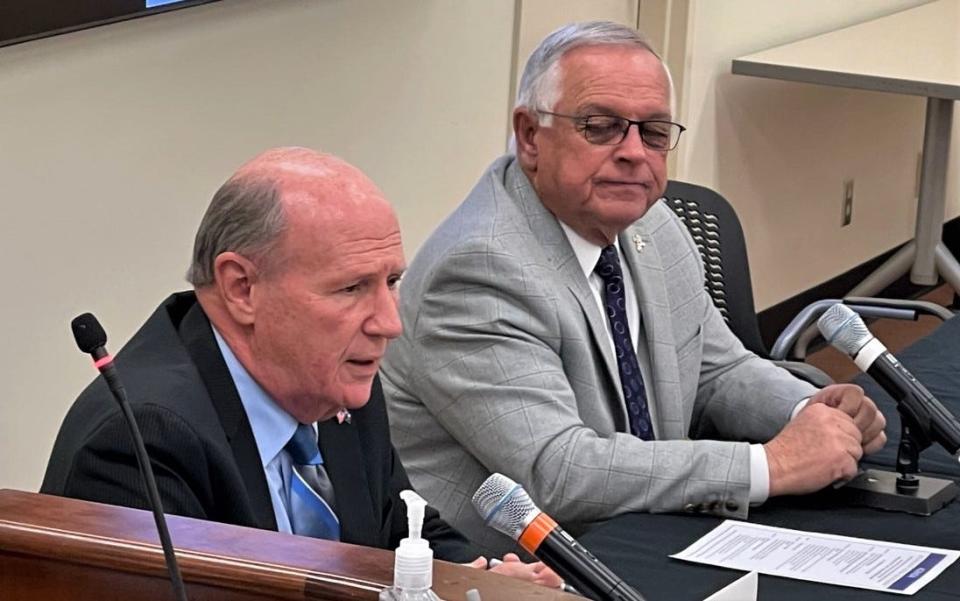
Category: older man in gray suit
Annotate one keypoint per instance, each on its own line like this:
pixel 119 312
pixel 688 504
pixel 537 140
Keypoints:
pixel 557 328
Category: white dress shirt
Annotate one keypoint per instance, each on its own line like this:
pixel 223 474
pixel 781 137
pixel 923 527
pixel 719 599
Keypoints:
pixel 588 254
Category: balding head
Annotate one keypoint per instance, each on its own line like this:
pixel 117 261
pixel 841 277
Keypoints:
pixel 299 172
pixel 249 212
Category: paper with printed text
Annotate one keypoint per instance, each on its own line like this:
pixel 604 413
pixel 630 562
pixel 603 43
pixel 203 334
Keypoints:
pixel 827 558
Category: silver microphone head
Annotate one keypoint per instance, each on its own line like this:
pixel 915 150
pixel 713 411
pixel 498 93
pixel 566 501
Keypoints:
pixel 504 505
pixel 844 330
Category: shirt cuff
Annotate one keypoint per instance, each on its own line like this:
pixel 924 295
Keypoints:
pixel 759 475
pixel 760 470
pixel 799 407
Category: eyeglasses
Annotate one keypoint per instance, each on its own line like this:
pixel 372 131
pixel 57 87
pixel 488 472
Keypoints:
pixel 656 134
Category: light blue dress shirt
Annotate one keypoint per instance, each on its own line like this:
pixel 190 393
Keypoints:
pixel 272 429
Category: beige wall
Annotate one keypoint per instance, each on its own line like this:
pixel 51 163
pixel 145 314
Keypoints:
pixel 537 18
pixel 112 141
pixel 780 151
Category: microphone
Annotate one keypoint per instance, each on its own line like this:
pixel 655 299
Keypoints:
pixel 506 507
pixel 845 331
pixel 92 340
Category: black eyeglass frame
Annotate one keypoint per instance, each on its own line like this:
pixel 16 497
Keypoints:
pixel 581 120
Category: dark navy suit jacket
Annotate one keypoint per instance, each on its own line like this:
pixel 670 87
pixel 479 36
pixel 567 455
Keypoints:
pixel 202 448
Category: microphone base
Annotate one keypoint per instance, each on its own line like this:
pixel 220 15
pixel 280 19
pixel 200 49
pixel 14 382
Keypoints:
pixel 878 489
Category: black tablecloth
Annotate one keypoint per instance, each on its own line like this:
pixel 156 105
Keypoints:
pixel 637 546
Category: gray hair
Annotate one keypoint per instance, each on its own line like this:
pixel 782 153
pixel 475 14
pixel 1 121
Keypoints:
pixel 245 216
pixel 539 84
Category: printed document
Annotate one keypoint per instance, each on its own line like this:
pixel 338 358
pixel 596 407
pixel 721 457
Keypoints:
pixel 826 558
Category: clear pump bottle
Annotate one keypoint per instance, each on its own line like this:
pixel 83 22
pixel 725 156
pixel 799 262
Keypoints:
pixel 413 563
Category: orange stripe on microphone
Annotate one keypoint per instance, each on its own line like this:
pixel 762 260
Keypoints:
pixel 102 361
pixel 536 532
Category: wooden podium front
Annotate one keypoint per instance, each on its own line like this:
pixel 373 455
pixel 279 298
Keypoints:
pixel 52 549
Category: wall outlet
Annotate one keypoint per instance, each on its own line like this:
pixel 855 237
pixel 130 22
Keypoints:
pixel 847 208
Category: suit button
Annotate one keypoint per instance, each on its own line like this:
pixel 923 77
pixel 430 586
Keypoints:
pixel 690 507
pixel 714 505
pixel 732 505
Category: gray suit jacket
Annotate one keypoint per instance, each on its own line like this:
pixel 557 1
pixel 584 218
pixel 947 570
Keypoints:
pixel 505 366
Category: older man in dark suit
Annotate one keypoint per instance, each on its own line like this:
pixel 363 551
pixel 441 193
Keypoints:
pixel 258 394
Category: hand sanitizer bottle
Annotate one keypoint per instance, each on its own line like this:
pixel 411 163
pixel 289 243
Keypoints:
pixel 413 562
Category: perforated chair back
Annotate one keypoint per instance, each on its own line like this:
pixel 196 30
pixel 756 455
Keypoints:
pixel 717 233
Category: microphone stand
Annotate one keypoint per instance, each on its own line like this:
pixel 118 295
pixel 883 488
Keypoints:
pixel 156 506
pixel 904 490
pixel 91 339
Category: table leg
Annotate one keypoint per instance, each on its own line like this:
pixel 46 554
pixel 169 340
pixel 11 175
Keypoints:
pixel 947 266
pixel 933 184
pixel 888 273
pixel 929 257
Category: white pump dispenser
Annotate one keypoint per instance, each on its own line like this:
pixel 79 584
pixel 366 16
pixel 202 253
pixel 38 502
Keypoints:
pixel 413 562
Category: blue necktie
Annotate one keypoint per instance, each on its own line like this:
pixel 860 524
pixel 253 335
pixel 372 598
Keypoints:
pixel 631 380
pixel 311 492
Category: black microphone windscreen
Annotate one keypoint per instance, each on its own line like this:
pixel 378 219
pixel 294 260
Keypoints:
pixel 88 332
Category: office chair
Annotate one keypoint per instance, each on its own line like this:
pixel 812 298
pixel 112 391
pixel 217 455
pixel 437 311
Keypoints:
pixel 719 238
pixel 718 235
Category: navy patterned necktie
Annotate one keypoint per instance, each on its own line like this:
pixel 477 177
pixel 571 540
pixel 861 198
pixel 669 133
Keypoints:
pixel 312 504
pixel 631 380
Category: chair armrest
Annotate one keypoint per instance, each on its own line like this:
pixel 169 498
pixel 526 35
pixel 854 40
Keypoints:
pixel 798 334
pixel 806 372
pixel 920 306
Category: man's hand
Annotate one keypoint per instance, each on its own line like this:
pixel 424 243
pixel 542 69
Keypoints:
pixel 817 448
pixel 537 572
pixel 850 399
pixel 479 563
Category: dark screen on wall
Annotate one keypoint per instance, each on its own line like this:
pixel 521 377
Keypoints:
pixel 24 20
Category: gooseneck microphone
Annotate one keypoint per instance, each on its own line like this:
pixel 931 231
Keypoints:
pixel 506 507
pixel 92 340
pixel 844 329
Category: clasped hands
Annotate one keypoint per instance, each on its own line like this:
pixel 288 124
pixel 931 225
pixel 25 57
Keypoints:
pixel 820 446
pixel 825 441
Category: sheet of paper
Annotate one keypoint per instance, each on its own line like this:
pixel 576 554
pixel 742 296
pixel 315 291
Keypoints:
pixel 827 558
pixel 743 589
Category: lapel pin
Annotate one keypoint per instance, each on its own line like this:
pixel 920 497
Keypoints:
pixel 343 416
pixel 638 242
